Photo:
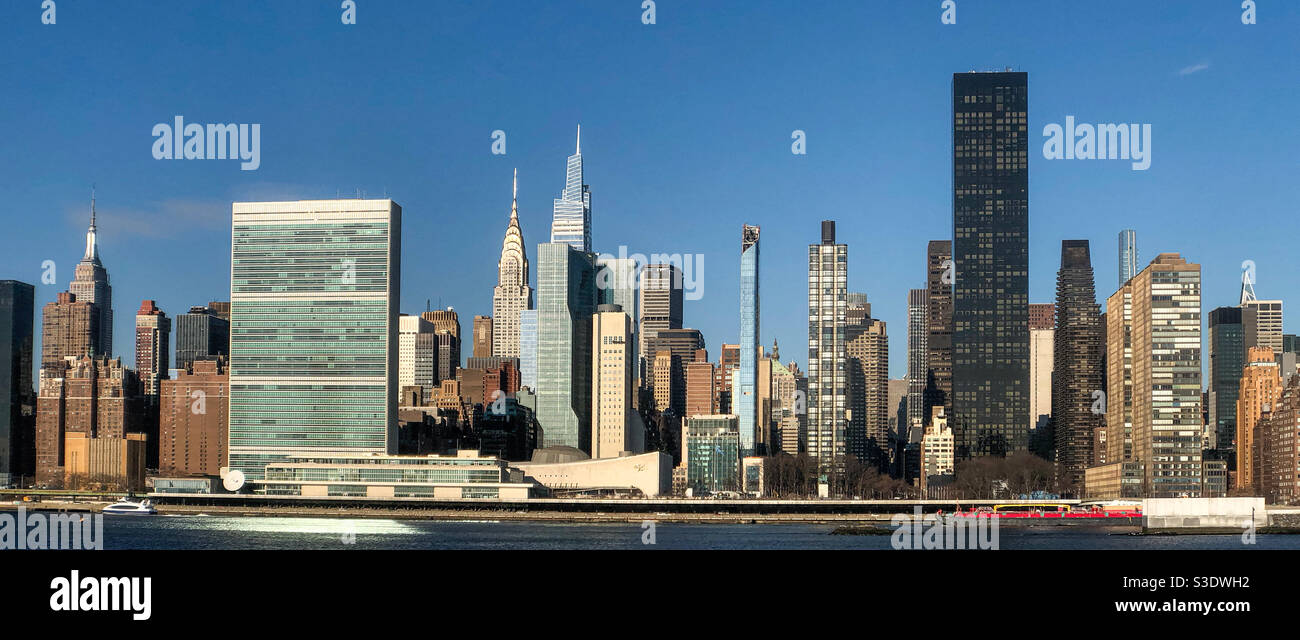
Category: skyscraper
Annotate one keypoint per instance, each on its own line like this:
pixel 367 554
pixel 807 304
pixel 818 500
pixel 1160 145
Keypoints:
pixel 616 427
pixel 17 396
pixel 661 302
pixel 528 348
pixel 1128 256
pixel 1260 388
pixel 866 350
pixel 1078 347
pixel 828 272
pixel 69 327
pixel 990 369
pixel 749 339
pixel 1166 374
pixel 201 334
pixel 566 300
pixel 1041 331
pixel 313 344
pixel 482 337
pixel 417 354
pixel 616 283
pixel 1227 357
pixel 512 293
pixel 938 343
pixel 152 349
pixel 194 419
pixel 571 222
pixel 917 350
pixel 88 399
pixel 90 284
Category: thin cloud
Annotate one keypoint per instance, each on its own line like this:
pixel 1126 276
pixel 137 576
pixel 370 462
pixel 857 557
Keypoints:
pixel 1196 68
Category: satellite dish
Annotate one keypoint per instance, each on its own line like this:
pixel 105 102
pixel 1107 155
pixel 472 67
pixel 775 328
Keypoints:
pixel 233 480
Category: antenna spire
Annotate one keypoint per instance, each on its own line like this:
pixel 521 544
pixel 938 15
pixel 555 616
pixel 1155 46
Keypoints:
pixel 92 206
pixel 579 149
pixel 514 198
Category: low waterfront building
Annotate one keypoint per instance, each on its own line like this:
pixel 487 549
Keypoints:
pixel 568 470
pixel 712 458
pixel 1113 481
pixel 463 475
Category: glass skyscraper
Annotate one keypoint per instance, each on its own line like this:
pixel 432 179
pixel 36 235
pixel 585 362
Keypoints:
pixel 528 348
pixel 17 396
pixel 313 338
pixel 747 409
pixel 571 223
pixel 1128 256
pixel 990 342
pixel 566 300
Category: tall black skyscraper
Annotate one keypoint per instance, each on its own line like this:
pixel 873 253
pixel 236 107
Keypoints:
pixel 1077 363
pixel 201 334
pixel 990 180
pixel 17 396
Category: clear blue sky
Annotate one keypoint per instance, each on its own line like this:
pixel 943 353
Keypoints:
pixel 686 135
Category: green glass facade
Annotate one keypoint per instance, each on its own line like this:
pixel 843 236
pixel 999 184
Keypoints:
pixel 313 336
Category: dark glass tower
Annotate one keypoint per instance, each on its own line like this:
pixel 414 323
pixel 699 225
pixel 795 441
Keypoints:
pixel 17 397
pixel 938 373
pixel 201 335
pixel 1227 358
pixel 1077 364
pixel 990 179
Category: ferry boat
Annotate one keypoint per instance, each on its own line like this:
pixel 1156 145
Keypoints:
pixel 130 508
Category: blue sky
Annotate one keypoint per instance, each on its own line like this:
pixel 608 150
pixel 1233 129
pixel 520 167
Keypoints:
pixel 686 136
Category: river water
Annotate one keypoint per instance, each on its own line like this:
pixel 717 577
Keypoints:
pixel 251 532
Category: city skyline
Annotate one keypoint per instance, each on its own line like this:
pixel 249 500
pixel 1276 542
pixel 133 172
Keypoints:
pixel 184 217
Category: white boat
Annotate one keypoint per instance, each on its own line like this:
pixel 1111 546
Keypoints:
pixel 130 508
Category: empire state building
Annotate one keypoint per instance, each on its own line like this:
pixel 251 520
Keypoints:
pixel 90 284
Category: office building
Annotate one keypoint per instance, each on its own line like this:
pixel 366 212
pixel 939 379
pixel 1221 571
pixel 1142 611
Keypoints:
pixel 467 474
pixel 1262 324
pixel 1258 392
pixel 1227 358
pixel 1158 314
pixel 616 426
pixel 939 277
pixel 917 352
pixel 700 397
pixel 866 350
pixel 90 284
pixel 152 349
pixel 512 294
pixel 728 361
pixel 617 283
pixel 1279 437
pixel 712 458
pixel 201 334
pixel 747 410
pixel 17 395
pixel 990 366
pixel 313 340
pixel 1128 256
pixel 1079 342
pixel 482 337
pixel 661 303
pixel 88 398
pixel 566 300
pixel 571 223
pixel 69 327
pixel 528 348
pixel 417 353
pixel 683 346
pixel 1042 329
pixel 194 420
pixel 828 268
